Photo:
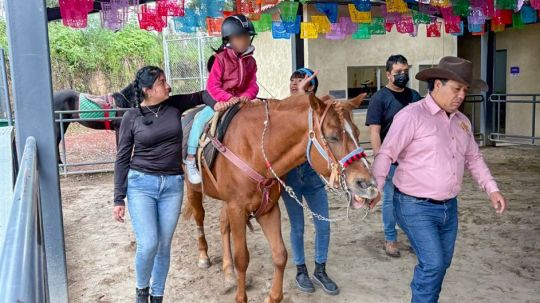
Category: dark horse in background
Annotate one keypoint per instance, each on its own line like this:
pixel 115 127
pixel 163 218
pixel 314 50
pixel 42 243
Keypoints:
pixel 69 100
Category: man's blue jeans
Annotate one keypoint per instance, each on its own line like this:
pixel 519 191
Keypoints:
pixel 154 203
pixel 306 183
pixel 432 230
pixel 388 217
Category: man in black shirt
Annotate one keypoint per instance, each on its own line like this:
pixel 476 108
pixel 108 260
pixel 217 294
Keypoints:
pixel 384 105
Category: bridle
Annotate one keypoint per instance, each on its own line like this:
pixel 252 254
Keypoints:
pixel 337 168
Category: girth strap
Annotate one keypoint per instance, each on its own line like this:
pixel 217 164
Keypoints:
pixel 264 184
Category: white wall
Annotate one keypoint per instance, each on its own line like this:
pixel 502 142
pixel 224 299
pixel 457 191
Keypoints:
pixel 274 63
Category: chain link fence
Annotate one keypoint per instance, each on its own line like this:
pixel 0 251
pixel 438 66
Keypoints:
pixel 185 59
pixel 5 105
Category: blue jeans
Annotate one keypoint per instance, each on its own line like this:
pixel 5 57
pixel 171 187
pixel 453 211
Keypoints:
pixel 432 230
pixel 197 129
pixel 307 184
pixel 388 217
pixel 154 203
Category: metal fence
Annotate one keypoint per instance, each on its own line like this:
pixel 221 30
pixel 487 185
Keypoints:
pixel 474 108
pixel 515 106
pixel 186 58
pixel 60 118
pixel 23 267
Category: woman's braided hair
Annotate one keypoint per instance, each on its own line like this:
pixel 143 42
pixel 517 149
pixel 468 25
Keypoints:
pixel 145 78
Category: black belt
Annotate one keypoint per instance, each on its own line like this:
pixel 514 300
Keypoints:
pixel 438 202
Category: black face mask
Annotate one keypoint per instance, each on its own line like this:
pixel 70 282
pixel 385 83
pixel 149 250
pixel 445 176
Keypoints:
pixel 401 80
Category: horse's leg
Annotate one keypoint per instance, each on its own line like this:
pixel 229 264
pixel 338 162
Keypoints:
pixel 59 136
pixel 237 220
pixel 271 226
pixel 196 201
pixel 228 266
pixel 116 134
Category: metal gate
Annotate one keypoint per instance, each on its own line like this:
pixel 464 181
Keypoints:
pixel 185 58
pixel 508 108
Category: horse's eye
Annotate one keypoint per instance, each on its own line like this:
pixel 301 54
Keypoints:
pixel 332 138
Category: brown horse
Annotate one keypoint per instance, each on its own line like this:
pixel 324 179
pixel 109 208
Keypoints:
pixel 285 144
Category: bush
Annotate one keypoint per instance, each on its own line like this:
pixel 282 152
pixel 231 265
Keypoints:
pixel 97 60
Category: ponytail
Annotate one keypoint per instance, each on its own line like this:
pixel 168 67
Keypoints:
pixel 221 48
pixel 145 78
pixel 212 58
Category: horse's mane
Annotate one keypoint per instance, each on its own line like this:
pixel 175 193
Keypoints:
pixel 339 107
pixel 259 102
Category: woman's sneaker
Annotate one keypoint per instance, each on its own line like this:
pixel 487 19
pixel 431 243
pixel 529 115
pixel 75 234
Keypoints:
pixel 142 295
pixel 193 174
pixel 321 279
pixel 157 299
pixel 303 282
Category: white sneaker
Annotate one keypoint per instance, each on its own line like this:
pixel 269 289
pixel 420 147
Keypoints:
pixel 193 174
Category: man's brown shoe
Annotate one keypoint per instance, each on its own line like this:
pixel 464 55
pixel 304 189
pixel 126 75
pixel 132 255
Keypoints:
pixel 391 249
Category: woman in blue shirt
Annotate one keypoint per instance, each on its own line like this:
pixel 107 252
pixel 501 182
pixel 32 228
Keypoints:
pixel 307 184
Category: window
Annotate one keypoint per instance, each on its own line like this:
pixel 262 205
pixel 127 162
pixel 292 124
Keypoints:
pixel 364 79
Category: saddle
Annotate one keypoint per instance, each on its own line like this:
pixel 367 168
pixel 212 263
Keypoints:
pixel 210 145
pixel 216 127
pixel 90 102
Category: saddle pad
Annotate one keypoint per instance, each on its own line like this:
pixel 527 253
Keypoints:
pixel 88 102
pixel 187 123
pixel 209 150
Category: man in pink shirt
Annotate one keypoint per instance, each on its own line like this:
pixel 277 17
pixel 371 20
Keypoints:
pixel 433 144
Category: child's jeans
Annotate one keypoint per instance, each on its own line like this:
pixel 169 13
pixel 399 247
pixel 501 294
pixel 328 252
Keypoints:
pixel 197 129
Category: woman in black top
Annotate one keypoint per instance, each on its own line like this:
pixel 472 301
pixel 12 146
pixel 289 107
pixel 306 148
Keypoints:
pixel 148 172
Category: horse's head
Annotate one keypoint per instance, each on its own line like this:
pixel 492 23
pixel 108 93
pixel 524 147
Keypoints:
pixel 334 150
pixel 126 97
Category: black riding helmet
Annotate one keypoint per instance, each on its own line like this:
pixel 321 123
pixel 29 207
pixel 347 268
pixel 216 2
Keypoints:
pixel 236 25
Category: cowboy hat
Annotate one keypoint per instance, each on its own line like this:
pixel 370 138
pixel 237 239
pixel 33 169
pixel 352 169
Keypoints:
pixel 453 68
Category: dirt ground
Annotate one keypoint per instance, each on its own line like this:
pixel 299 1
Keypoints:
pixel 497 258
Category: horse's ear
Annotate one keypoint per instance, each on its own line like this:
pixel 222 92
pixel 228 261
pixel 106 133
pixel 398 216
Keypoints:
pixel 327 98
pixel 315 103
pixel 355 102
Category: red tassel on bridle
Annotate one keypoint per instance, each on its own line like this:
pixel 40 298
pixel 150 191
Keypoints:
pixel 354 158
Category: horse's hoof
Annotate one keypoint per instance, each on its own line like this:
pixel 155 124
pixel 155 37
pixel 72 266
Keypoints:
pixel 229 284
pixel 204 263
pixel 270 300
pixel 230 280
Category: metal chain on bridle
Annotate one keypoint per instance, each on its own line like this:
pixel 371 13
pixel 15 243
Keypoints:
pixel 342 191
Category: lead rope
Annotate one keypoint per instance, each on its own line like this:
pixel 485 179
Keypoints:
pixel 260 84
pixel 287 188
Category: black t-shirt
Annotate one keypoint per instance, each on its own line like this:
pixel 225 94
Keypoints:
pixel 155 148
pixel 385 104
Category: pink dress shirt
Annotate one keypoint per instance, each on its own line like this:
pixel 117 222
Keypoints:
pixel 432 150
